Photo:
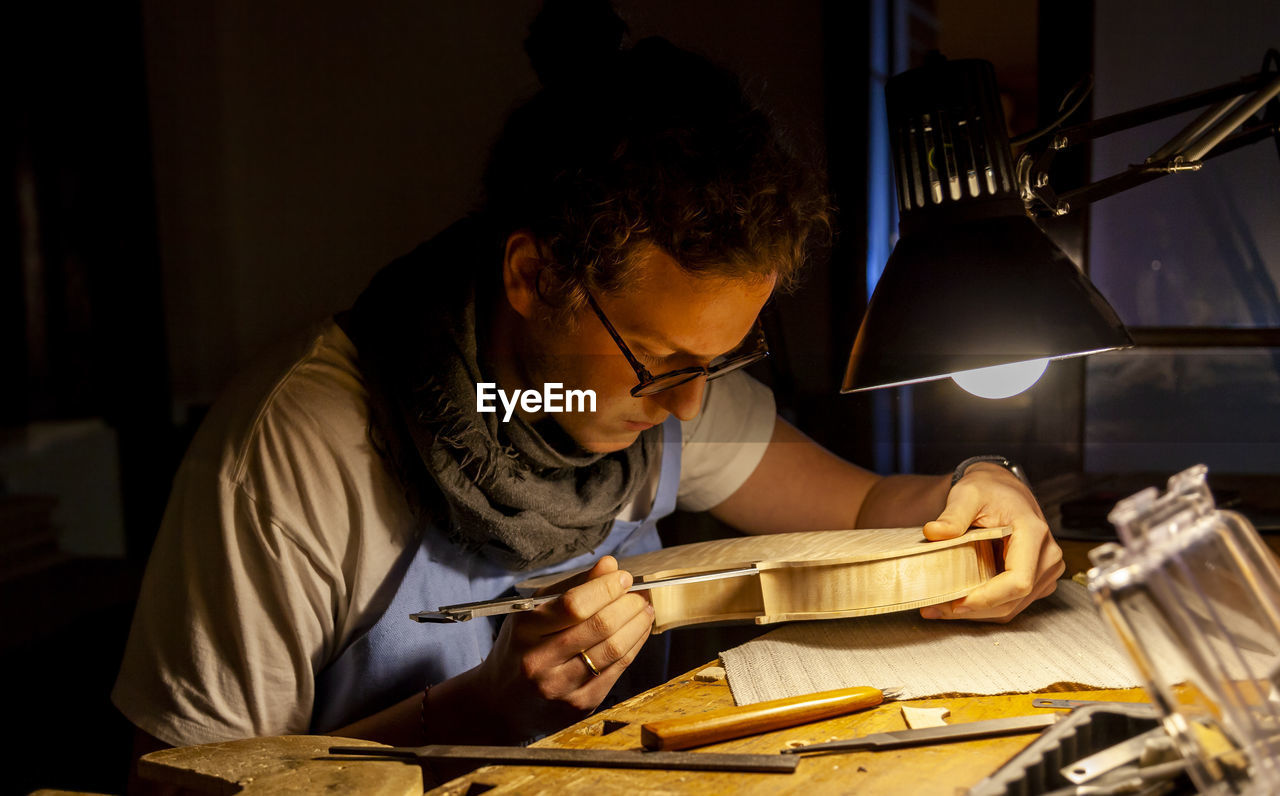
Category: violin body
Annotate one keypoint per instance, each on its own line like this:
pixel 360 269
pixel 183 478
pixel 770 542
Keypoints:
pixel 810 575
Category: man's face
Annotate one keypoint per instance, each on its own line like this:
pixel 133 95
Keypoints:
pixel 669 319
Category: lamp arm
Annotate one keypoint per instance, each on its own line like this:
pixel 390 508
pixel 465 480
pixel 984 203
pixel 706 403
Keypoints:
pixel 1214 132
pixel 1143 173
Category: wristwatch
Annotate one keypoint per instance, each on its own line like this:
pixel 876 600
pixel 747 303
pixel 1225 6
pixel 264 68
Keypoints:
pixel 1003 461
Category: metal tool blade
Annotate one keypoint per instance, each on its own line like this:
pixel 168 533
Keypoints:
pixel 1099 763
pixel 952 732
pixel 1079 703
pixel 465 611
pixel 1145 781
pixel 585 758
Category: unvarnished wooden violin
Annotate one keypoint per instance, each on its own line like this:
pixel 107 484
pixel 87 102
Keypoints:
pixel 782 577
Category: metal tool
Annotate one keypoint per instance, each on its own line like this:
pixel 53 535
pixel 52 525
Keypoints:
pixel 582 758
pixel 1079 703
pixel 1157 779
pixel 952 732
pixel 1113 757
pixel 465 611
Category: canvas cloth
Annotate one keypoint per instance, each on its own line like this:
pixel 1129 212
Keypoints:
pixel 1060 639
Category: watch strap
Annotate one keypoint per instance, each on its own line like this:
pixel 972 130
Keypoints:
pixel 992 458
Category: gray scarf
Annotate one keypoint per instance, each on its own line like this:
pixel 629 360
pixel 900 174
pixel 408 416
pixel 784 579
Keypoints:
pixel 525 497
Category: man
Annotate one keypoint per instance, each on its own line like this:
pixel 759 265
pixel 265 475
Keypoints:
pixel 638 214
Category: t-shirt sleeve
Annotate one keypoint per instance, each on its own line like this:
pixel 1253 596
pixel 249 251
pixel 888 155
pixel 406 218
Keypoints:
pixel 247 590
pixel 231 624
pixel 725 442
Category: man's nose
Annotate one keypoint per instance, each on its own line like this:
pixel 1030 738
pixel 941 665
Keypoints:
pixel 684 401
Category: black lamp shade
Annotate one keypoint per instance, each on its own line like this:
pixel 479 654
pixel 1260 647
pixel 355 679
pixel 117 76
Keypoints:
pixel 972 282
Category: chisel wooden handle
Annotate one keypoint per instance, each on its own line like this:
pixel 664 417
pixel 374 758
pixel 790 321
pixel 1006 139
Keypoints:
pixel 721 725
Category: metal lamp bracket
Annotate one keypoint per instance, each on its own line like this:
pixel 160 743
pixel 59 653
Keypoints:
pixel 1228 123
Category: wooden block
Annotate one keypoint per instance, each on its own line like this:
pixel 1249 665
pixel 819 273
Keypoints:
pixel 284 764
pixel 711 674
pixel 919 718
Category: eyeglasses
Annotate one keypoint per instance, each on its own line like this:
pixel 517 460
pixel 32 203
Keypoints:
pixel 753 348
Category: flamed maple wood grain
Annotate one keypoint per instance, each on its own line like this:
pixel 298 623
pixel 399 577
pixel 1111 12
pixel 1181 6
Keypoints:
pixel 811 575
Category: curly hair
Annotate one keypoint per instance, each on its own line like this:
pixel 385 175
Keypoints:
pixel 624 149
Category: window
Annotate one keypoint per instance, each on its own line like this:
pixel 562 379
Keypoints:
pixel 1195 255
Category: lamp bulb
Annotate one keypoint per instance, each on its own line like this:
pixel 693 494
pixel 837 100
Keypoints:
pixel 1001 381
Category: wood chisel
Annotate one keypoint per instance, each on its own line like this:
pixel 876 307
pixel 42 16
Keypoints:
pixel 583 758
pixel 463 612
pixel 952 732
pixel 721 725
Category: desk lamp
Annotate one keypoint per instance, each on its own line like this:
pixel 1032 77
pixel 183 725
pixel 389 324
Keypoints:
pixel 974 290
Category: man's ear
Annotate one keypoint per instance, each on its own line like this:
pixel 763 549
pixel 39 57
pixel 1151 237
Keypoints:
pixel 522 266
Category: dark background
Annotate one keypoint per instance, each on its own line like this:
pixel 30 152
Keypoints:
pixel 191 181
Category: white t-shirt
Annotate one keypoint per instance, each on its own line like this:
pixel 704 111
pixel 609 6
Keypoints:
pixel 281 530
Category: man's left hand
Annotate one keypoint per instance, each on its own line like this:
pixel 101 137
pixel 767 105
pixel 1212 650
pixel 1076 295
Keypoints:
pixel 989 496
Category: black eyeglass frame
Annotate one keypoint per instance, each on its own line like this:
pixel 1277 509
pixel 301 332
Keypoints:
pixel 721 365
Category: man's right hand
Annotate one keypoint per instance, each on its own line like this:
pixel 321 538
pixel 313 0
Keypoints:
pixel 536 677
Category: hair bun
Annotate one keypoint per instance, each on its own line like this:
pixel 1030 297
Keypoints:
pixel 571 41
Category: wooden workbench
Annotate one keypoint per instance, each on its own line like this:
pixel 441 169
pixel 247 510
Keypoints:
pixel 941 770
pixel 944 770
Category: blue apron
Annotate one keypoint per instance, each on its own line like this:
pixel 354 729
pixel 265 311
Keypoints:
pixel 397 656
